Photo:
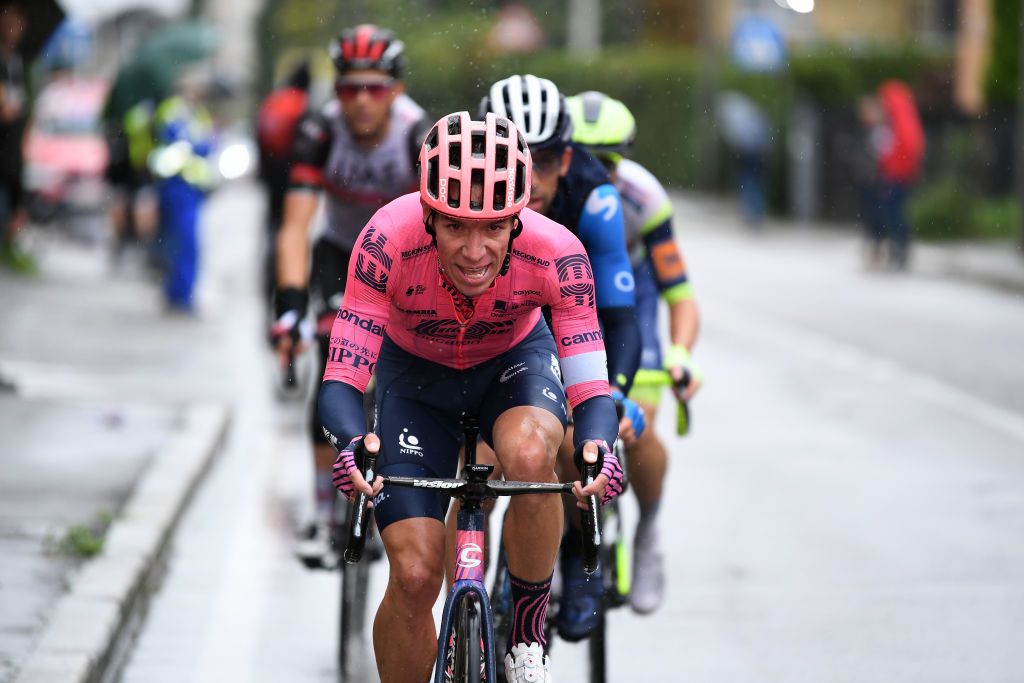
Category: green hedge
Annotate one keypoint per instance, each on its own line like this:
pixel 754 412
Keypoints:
pixel 450 69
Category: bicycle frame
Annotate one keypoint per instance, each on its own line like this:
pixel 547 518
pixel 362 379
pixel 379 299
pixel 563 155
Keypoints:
pixel 470 542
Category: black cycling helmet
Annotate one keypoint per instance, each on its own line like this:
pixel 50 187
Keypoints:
pixel 368 47
pixel 535 106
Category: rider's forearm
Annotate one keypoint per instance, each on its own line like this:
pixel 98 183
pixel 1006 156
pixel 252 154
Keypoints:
pixel 622 344
pixel 684 323
pixel 595 420
pixel 340 409
pixel 293 240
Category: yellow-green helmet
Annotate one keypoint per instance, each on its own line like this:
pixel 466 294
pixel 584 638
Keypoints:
pixel 602 124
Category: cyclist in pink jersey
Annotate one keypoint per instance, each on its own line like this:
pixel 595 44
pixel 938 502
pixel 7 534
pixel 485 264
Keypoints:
pixel 443 302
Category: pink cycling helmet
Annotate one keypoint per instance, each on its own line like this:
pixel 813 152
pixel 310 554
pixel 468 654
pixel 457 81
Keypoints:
pixel 459 153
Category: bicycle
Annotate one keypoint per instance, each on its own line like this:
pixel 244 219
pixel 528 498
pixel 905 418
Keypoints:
pixel 465 645
pixel 354 578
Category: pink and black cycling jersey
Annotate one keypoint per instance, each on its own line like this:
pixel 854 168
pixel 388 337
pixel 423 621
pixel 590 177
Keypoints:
pixel 395 286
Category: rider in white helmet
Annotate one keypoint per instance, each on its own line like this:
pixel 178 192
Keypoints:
pixel 608 129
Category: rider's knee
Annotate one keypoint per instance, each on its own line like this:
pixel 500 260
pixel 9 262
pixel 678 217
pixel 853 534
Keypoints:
pixel 530 460
pixel 417 583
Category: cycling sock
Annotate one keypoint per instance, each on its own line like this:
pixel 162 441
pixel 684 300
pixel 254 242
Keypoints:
pixel 649 515
pixel 529 612
pixel 325 494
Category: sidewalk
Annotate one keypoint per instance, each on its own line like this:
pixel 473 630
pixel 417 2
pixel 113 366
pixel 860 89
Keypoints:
pixel 110 412
pixel 993 264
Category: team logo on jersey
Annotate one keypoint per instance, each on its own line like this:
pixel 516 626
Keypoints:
pixel 409 445
pixel 511 372
pixel 550 394
pixel 417 251
pixel 603 202
pixel 372 263
pixel 582 338
pixel 530 258
pixel 415 289
pixel 368 324
pixel 668 262
pixel 573 267
pixel 449 329
pixel 359 361
pixel 624 281
pixel 556 369
pixel 582 292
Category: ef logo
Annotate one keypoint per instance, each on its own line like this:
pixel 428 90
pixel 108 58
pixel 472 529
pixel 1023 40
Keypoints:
pixel 470 556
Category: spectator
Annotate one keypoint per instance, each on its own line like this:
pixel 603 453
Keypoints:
pixel 129 144
pixel 747 135
pixel 895 144
pixel 179 162
pixel 13 111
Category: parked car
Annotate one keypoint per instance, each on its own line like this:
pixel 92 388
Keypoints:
pixel 65 153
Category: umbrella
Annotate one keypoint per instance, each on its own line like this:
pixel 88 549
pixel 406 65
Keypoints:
pixel 41 19
pixel 150 72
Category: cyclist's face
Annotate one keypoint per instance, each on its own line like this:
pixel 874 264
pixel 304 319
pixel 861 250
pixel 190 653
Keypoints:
pixel 548 167
pixel 471 252
pixel 366 97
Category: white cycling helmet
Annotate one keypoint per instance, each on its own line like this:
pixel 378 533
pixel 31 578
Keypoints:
pixel 536 108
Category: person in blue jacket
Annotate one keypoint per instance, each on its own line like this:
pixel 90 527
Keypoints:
pixel 184 137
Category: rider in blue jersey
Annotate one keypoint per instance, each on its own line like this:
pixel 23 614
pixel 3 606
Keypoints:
pixel 573 188
pixel 608 128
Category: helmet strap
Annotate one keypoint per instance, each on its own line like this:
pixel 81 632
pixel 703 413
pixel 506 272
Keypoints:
pixel 516 229
pixel 429 227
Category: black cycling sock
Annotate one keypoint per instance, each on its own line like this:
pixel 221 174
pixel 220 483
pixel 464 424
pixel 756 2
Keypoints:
pixel 529 612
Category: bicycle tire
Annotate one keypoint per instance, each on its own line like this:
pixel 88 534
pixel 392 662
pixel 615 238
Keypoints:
pixel 467 641
pixel 597 653
pixel 501 608
pixel 355 579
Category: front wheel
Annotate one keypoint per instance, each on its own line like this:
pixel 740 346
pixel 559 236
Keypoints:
pixel 468 642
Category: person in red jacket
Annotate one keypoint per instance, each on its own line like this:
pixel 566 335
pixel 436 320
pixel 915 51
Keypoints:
pixel 896 143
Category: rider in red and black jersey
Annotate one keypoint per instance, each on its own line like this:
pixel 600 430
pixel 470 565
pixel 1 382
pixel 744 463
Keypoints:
pixel 360 150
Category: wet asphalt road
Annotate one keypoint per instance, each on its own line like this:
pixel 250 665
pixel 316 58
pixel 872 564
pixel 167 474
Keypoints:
pixel 849 507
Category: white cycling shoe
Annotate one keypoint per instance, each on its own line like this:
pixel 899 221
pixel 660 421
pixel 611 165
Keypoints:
pixel 315 549
pixel 527 664
pixel 648 590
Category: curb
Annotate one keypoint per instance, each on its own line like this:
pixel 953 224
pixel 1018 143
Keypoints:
pixel 87 623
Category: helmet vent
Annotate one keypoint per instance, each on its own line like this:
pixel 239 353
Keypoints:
pixel 501 157
pixel 454 125
pixel 520 181
pixel 432 176
pixel 454 192
pixel 500 188
pixel 455 155
pixel 479 142
pixel 477 182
